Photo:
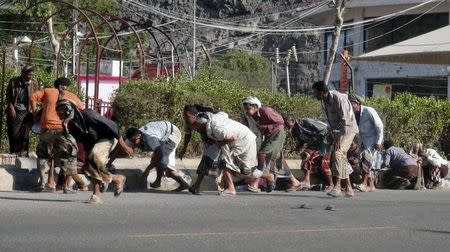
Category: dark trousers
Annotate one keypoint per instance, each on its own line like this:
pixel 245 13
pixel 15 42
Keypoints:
pixel 402 177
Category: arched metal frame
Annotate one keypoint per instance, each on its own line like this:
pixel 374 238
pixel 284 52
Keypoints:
pixel 87 16
pixel 86 41
pixel 141 47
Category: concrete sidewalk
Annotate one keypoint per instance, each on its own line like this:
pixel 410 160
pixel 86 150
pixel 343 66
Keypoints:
pixel 22 174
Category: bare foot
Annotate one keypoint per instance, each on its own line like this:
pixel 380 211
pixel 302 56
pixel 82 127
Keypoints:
pixel 349 193
pixel 50 186
pixel 227 193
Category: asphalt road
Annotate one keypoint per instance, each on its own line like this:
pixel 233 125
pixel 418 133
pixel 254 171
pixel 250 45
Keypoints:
pixel 380 221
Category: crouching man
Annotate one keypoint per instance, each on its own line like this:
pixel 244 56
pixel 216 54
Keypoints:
pixel 404 170
pixel 161 138
pixel 435 167
pixel 99 136
pixel 311 137
pixel 237 145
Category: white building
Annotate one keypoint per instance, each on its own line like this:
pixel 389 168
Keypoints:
pixel 419 79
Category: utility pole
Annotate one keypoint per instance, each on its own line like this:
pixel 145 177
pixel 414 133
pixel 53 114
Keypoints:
pixel 74 38
pixel 288 85
pixel 195 37
pixel 2 92
pixel 339 5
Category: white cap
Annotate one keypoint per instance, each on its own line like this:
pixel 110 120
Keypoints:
pixel 252 100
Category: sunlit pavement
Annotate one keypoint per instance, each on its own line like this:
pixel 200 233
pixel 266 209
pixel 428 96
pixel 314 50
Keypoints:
pixel 380 221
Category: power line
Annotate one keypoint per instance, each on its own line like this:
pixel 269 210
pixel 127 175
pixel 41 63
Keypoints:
pixel 253 29
pixel 364 41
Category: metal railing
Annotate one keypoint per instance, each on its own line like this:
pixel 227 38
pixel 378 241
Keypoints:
pixel 102 107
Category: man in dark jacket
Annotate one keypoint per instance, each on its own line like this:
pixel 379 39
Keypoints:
pixel 99 137
pixel 311 137
pixel 18 95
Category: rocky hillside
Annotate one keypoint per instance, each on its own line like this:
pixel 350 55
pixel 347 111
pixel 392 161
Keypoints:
pixel 265 13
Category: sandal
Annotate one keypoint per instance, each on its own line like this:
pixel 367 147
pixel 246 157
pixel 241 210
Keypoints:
pixel 253 189
pixel 328 188
pixel 67 190
pixel 361 188
pixel 45 188
pixel 335 193
pixel 301 187
pixel 94 200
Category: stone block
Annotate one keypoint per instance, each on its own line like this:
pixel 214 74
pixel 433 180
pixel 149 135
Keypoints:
pixel 26 163
pixel 6 180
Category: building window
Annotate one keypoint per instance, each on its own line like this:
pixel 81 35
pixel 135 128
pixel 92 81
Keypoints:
pixel 420 86
pixel 380 34
pixel 345 41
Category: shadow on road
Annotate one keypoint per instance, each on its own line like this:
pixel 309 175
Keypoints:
pixel 432 231
pixel 30 199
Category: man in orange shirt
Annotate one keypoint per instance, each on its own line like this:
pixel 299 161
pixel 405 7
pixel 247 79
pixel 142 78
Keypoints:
pixel 52 140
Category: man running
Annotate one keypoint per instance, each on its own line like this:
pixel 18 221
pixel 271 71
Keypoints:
pixel 267 123
pixel 99 137
pixel 237 147
pixel 53 144
pixel 161 138
pixel 209 164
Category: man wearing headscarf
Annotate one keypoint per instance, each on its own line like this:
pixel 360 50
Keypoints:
pixel 236 147
pixel 268 125
pixel 18 94
pixel 99 137
pixel 53 144
pixel 370 141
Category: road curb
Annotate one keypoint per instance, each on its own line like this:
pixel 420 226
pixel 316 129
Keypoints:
pixel 21 173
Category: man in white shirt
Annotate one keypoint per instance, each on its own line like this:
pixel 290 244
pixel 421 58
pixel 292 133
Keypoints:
pixel 237 147
pixel 435 168
pixel 161 138
pixel 370 141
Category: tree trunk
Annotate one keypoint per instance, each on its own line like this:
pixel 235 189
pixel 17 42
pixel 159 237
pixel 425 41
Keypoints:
pixel 340 8
pixel 54 40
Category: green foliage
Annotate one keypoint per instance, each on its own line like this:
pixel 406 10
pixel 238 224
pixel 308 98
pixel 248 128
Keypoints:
pixel 137 103
pixel 407 118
